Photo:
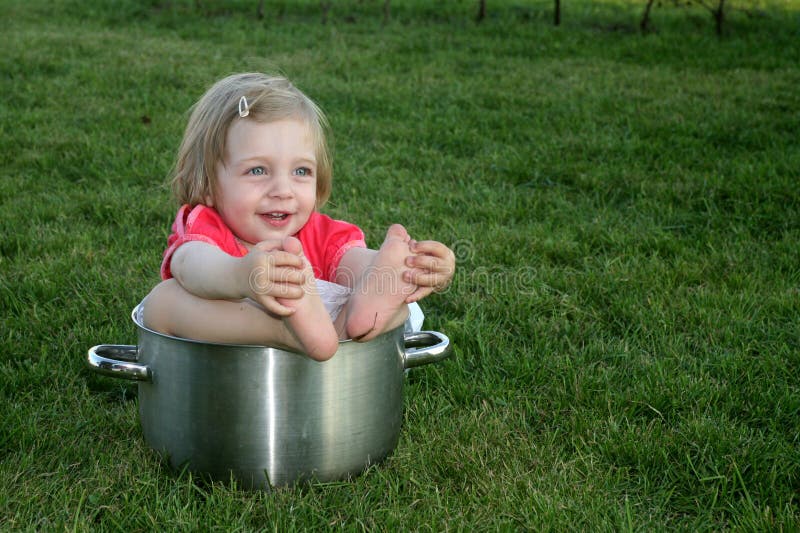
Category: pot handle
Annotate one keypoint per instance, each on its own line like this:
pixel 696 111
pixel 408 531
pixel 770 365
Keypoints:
pixel 118 361
pixel 423 347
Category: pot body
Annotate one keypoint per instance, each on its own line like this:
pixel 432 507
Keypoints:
pixel 265 416
pixel 269 416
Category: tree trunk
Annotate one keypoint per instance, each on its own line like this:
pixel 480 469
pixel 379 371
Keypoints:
pixel 325 5
pixel 644 25
pixel 719 16
pixel 481 10
pixel 557 13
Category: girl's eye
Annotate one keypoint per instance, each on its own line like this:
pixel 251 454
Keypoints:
pixel 302 171
pixel 257 171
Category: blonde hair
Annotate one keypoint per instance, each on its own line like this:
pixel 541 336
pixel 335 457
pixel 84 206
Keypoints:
pixel 269 98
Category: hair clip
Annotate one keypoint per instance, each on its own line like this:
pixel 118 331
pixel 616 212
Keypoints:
pixel 244 109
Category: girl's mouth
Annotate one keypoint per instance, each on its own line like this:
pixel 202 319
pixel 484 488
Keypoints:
pixel 276 218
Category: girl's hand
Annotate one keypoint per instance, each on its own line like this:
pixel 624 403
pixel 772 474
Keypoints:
pixel 432 268
pixel 270 273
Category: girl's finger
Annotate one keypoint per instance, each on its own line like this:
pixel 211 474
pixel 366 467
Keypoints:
pixel 429 263
pixel 272 305
pixel 281 258
pixel 419 294
pixel 287 290
pixel 435 249
pixel 426 279
pixel 276 287
pixel 428 247
pixel 288 275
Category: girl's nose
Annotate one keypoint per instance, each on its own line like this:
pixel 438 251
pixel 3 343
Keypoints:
pixel 280 186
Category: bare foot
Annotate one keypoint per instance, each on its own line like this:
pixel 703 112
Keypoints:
pixel 310 323
pixel 378 302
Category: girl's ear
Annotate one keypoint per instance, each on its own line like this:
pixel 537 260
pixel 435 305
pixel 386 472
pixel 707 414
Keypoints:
pixel 208 197
pixel 209 200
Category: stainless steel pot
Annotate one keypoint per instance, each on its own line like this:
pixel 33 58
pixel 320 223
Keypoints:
pixel 265 416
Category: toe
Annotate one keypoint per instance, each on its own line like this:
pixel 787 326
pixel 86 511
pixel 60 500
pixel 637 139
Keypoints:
pixel 397 231
pixel 292 245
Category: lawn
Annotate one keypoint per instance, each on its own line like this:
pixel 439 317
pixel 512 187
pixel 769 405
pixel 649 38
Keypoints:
pixel 624 208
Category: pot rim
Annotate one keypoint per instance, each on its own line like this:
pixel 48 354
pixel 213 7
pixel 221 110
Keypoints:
pixel 139 309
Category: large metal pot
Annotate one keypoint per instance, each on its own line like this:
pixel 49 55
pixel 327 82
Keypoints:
pixel 265 416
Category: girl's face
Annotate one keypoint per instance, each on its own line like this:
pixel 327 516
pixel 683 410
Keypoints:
pixel 267 183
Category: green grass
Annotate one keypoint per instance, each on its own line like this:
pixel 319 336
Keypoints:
pixel 625 210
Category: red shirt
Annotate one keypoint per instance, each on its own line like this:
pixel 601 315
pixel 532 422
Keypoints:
pixel 324 239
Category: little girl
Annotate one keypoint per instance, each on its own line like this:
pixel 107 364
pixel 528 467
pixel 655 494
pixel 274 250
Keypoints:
pixel 250 259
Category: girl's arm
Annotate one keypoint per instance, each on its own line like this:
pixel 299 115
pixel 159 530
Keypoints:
pixel 207 272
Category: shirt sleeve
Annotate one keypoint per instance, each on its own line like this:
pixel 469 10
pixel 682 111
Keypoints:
pixel 203 224
pixel 326 240
pixel 341 242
